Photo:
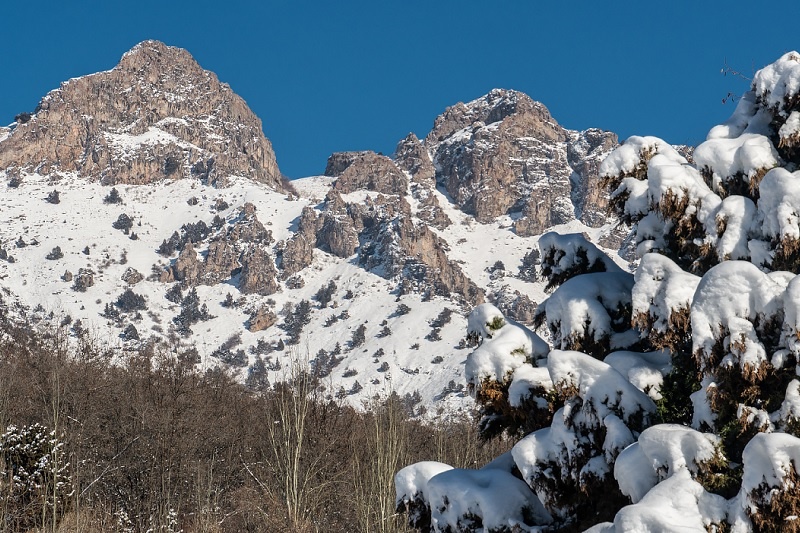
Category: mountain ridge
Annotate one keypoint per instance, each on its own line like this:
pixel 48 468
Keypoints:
pixel 262 256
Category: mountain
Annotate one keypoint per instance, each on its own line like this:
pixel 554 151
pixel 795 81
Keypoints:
pixel 144 206
pixel 156 115
pixel 504 153
pixel 475 270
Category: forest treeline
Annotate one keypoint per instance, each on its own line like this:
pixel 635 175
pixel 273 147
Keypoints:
pixel 97 439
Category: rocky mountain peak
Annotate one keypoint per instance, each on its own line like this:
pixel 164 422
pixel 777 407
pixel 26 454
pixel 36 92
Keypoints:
pixel 504 154
pixel 411 156
pixel 339 161
pixel 371 171
pixel 157 58
pixel 500 109
pixel 158 114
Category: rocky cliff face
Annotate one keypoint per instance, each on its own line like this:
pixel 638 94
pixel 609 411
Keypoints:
pixel 339 161
pixel 382 231
pixel 371 172
pixel 411 156
pixel 585 151
pixel 234 247
pixel 156 115
pixel 504 153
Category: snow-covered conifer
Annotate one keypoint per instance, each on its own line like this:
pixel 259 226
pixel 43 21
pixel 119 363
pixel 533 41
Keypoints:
pixel 506 374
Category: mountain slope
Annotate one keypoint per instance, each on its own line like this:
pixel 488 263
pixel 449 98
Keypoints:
pixel 367 273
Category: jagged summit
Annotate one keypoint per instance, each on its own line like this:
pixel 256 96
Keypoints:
pixel 504 154
pixel 155 56
pixel 495 107
pixel 157 114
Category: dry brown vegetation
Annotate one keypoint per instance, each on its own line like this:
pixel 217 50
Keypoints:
pixel 154 445
pixel 498 417
pixel 778 507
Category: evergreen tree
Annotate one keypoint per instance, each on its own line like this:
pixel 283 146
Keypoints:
pixel 55 253
pixel 296 319
pixel 129 301
pixel 191 313
pixel 124 223
pixel 113 197
pixel 359 336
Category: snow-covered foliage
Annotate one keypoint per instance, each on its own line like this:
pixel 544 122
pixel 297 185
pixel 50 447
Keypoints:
pixel 660 301
pixel 34 476
pixel 411 488
pixel 733 306
pixel 676 504
pixel 564 256
pixel 484 500
pixel 645 371
pixel 439 497
pixel 737 201
pixel 698 431
pixel 504 345
pixel 591 313
pixel 666 449
pixel 769 499
pixel 506 373
pixel 570 463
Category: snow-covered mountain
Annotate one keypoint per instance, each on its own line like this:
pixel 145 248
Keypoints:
pixel 143 208
pixel 144 205
pixel 156 115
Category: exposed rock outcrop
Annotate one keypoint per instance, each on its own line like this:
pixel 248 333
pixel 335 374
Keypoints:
pixel 515 305
pixel 412 157
pixel 424 259
pixel 221 261
pixel 397 248
pixel 258 273
pixel 429 209
pixel 297 254
pixel 261 319
pixel 187 267
pixel 156 115
pixel 372 172
pixel 339 161
pixel 248 228
pixel 505 153
pixel 337 235
pixel 83 279
pixel 381 231
pixel 585 151
pixel 237 247
pixel 131 276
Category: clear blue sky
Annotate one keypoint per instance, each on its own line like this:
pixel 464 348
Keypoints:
pixel 326 76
